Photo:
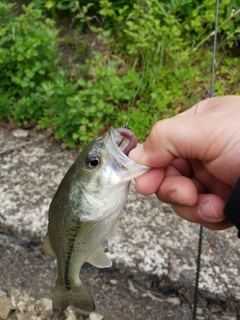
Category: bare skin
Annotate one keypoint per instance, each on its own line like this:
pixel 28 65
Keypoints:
pixel 196 160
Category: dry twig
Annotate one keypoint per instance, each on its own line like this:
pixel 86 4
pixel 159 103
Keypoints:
pixel 21 145
pixel 233 14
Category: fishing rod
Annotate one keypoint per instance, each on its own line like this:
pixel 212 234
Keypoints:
pixel 211 92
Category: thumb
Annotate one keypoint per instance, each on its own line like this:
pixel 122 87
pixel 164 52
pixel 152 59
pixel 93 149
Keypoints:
pixel 188 136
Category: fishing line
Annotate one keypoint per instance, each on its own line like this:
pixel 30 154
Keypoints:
pixel 138 88
pixel 198 269
pixel 140 83
pixel 126 126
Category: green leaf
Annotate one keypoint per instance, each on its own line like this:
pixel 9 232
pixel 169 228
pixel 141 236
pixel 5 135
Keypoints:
pixel 75 135
pixel 106 33
pixel 50 4
pixel 81 82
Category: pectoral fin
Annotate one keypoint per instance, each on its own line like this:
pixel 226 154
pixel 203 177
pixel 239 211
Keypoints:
pixel 47 248
pixel 113 232
pixel 99 259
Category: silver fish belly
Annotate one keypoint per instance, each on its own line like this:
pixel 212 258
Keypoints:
pixel 85 210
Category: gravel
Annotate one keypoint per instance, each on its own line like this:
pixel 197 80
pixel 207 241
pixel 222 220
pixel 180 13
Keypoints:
pixel 154 253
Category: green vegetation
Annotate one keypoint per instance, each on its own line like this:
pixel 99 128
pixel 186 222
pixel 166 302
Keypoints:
pixel 164 48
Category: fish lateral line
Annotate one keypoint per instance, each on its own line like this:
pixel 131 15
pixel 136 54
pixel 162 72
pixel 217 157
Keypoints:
pixel 73 232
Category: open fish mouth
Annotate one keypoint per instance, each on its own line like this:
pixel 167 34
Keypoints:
pixel 126 140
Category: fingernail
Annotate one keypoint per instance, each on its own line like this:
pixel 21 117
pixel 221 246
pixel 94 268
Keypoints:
pixel 175 197
pixel 208 212
pixel 137 153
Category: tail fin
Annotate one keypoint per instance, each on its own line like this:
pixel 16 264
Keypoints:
pixel 74 296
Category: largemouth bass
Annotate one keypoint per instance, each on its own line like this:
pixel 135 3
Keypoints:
pixel 85 211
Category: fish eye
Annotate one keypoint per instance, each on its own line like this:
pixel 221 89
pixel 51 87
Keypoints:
pixel 93 161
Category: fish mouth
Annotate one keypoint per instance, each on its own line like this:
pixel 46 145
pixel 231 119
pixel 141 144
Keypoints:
pixel 128 140
pixel 119 142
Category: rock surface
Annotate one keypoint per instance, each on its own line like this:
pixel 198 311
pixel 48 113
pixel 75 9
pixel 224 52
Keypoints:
pixel 154 253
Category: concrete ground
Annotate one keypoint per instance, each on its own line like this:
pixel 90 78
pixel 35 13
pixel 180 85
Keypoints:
pixel 154 254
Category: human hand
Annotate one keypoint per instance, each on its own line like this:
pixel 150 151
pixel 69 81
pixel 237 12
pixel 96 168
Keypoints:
pixel 196 160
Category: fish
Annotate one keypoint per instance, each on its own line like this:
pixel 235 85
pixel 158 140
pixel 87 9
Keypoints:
pixel 85 210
